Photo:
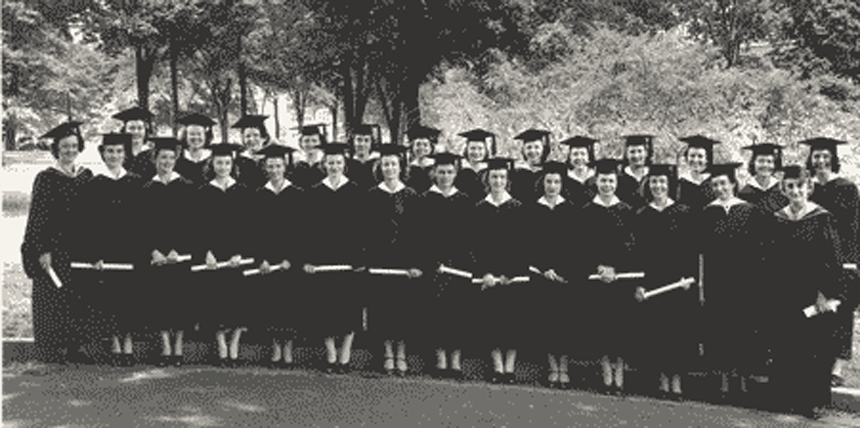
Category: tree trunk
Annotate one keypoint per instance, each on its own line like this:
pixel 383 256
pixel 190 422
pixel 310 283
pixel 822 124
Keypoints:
pixel 348 94
pixel 174 83
pixel 144 64
pixel 410 100
pixel 277 117
pixel 243 81
pixel 334 110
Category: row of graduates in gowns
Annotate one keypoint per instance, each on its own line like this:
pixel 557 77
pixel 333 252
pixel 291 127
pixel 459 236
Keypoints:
pixel 495 234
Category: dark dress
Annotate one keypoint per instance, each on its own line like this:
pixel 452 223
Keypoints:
pixel 499 250
pixel 221 215
pixel 305 175
pixel 840 197
pixel 579 193
pixel 609 234
pixel 251 172
pixel 198 173
pixel 440 236
pixel 419 178
pixel 142 164
pixel 391 313
pixel 769 201
pixel 524 185
pixel 361 173
pixel 170 290
pixel 695 196
pixel 470 182
pixel 334 296
pixel 281 296
pixel 50 222
pixel 551 301
pixel 733 287
pixel 630 190
pixel 669 337
pixel 108 230
pixel 803 259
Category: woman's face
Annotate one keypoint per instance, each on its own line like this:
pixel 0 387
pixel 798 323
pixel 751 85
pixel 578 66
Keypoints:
pixel 195 136
pixel 137 129
pixel 552 185
pixel 578 156
pixel 697 159
pixel 821 160
pixel 636 155
pixel 113 155
pixel 275 168
pixel 532 151
pixel 309 142
pixel 764 165
pixel 334 165
pixel 796 190
pixel 723 187
pixel 252 138
pixel 445 175
pixel 498 179
pixel 421 148
pixel 476 151
pixel 606 184
pixel 222 165
pixel 390 167
pixel 67 149
pixel 362 144
pixel 659 186
pixel 165 161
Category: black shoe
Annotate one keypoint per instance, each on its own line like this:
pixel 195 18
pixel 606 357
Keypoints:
pixel 287 366
pixel 564 386
pixel 677 397
pixel 222 363
pixel 497 377
pixel 836 380
pixel 342 368
pixel 438 373
pixel 456 375
pixel 164 361
pixel 117 360
pixel 178 360
pixel 127 360
pixel 274 364
pixel 330 368
pixel 510 378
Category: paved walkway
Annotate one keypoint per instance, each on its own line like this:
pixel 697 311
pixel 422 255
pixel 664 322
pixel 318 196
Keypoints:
pixel 199 396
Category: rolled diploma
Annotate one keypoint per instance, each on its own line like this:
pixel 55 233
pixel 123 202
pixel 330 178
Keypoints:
pixel 332 268
pixel 631 275
pixel 182 258
pixel 54 277
pixel 452 271
pixel 220 265
pixel 380 271
pixel 535 270
pixel 684 283
pixel 812 310
pixel 258 271
pixel 515 279
pixel 105 266
pixel 850 266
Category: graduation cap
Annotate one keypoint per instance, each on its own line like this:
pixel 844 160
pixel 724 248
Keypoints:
pixel 727 169
pixel 196 119
pixel 421 131
pixel 363 129
pixel 276 151
pixel 162 143
pixel 794 172
pixel 500 163
pixel 225 149
pixel 605 165
pixel 820 143
pixel 702 142
pixel 250 121
pixel 579 141
pixel 336 149
pixel 481 135
pixel 764 149
pixel 391 149
pixel 115 139
pixel 318 129
pixel 445 158
pixel 63 130
pixel 554 167
pixel 662 169
pixel 533 135
pixel 638 140
pixel 134 113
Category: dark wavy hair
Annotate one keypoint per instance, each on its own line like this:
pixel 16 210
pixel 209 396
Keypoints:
pixel 55 144
pixel 835 165
pixel 404 168
pixel 485 179
pixel 209 136
pixel 777 162
pixel 645 189
pixel 545 150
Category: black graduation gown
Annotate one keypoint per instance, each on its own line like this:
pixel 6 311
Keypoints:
pixel 168 210
pixel 524 185
pixel 391 312
pixel 630 191
pixel 609 234
pixel 469 181
pixel 769 201
pixel 733 287
pixel 142 164
pixel 840 197
pixel 668 328
pixel 338 240
pixel 305 175
pixel 280 297
pixel 108 217
pixel 198 173
pixel 361 173
pixel 803 259
pixel 441 238
pixel 499 250
pixel 548 231
pixel 222 216
pixel 419 178
pixel 579 193
pixel 251 172
pixel 695 196
pixel 49 226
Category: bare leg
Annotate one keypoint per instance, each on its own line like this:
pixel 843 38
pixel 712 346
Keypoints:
pixel 401 356
pixel 664 382
pixel 165 343
pixel 455 360
pixel 441 360
pixel 607 370
pixel 498 366
pixel 221 339
pixel 619 372
pixel 177 346
pixel 676 383
pixel 330 350
pixel 115 348
pixel 553 368
pixel 724 382
pixel 346 350
pixel 234 343
pixel 510 360
pixel 288 352
pixel 562 370
pixel 128 344
pixel 388 364
pixel 276 351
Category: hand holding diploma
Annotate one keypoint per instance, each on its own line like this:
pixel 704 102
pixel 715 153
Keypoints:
pixel 642 295
pixel 455 272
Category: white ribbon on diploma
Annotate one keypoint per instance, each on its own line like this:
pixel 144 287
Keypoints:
pixel 812 310
pixel 455 272
pixel 685 283
pixel 181 258
pixel 221 265
pixel 105 266
pixel 850 266
pixel 258 271
pixel 393 272
pixel 54 277
pixel 514 280
pixel 333 268
pixel 631 275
